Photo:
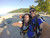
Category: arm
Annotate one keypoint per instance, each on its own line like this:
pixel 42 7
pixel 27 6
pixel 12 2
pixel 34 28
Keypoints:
pixel 45 30
pixel 42 25
pixel 17 24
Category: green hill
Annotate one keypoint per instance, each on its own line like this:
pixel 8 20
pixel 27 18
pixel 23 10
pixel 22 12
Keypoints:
pixel 20 10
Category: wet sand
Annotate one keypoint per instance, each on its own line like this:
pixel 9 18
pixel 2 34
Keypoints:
pixel 10 31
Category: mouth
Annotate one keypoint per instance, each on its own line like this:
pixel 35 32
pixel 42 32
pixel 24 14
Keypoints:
pixel 33 14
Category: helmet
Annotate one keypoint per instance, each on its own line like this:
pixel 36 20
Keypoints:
pixel 32 10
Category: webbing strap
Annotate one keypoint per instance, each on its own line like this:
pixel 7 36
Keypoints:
pixel 37 26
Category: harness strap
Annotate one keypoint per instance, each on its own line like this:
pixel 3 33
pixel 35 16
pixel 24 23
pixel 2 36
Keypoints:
pixel 24 31
pixel 36 26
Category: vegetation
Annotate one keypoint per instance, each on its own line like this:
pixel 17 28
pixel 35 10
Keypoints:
pixel 24 10
pixel 43 5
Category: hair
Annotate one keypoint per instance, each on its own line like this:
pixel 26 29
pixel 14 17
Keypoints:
pixel 30 18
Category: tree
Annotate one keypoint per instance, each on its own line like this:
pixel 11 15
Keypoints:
pixel 32 6
pixel 48 9
pixel 37 8
pixel 44 5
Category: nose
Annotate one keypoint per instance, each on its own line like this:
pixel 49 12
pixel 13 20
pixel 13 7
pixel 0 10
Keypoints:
pixel 32 12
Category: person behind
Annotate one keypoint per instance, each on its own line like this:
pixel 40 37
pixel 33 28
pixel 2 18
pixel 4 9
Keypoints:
pixel 24 24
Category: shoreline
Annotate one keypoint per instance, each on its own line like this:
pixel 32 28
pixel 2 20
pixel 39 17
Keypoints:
pixel 22 13
pixel 45 15
pixel 11 15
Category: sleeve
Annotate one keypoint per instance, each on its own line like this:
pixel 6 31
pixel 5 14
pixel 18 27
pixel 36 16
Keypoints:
pixel 40 21
pixel 20 21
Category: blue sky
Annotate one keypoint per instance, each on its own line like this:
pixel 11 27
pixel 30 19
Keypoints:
pixel 9 5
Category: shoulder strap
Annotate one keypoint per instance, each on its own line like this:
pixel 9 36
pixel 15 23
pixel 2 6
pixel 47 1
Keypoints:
pixel 42 18
pixel 32 26
pixel 37 26
pixel 21 28
pixel 22 25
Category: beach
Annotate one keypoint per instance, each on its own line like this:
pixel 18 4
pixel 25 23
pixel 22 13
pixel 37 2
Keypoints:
pixel 9 31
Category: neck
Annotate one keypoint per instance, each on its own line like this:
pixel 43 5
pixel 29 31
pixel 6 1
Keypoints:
pixel 26 24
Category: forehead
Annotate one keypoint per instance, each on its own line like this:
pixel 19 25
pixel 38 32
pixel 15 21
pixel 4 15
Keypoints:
pixel 26 16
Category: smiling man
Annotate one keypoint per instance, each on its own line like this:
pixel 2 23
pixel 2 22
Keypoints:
pixel 42 24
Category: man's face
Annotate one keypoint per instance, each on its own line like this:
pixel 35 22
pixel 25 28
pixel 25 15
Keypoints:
pixel 33 14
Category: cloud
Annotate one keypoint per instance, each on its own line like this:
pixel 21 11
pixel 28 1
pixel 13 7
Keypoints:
pixel 4 11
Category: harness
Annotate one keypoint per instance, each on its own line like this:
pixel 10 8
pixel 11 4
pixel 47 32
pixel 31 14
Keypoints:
pixel 23 31
pixel 35 28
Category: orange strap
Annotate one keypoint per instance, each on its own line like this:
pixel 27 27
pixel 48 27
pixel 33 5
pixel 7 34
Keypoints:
pixel 34 28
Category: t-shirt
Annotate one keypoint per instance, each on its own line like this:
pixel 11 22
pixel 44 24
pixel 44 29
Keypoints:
pixel 25 27
pixel 20 21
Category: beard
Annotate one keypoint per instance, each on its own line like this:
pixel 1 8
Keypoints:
pixel 32 15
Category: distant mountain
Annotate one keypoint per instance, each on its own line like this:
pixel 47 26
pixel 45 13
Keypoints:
pixel 20 10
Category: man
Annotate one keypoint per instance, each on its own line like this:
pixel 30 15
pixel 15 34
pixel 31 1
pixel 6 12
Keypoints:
pixel 42 24
pixel 37 21
pixel 33 14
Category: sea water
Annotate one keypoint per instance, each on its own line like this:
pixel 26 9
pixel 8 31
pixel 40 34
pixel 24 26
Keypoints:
pixel 5 14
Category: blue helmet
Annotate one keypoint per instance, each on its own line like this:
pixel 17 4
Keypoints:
pixel 32 10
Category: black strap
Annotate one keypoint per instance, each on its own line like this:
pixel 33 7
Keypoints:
pixel 42 18
pixel 22 25
pixel 36 26
pixel 32 26
pixel 22 28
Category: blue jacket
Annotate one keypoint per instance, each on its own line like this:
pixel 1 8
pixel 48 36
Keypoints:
pixel 30 33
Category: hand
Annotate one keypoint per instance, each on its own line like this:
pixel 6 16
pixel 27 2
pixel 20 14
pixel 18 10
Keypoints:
pixel 20 16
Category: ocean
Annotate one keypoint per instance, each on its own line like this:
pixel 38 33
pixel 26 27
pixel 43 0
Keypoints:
pixel 5 14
